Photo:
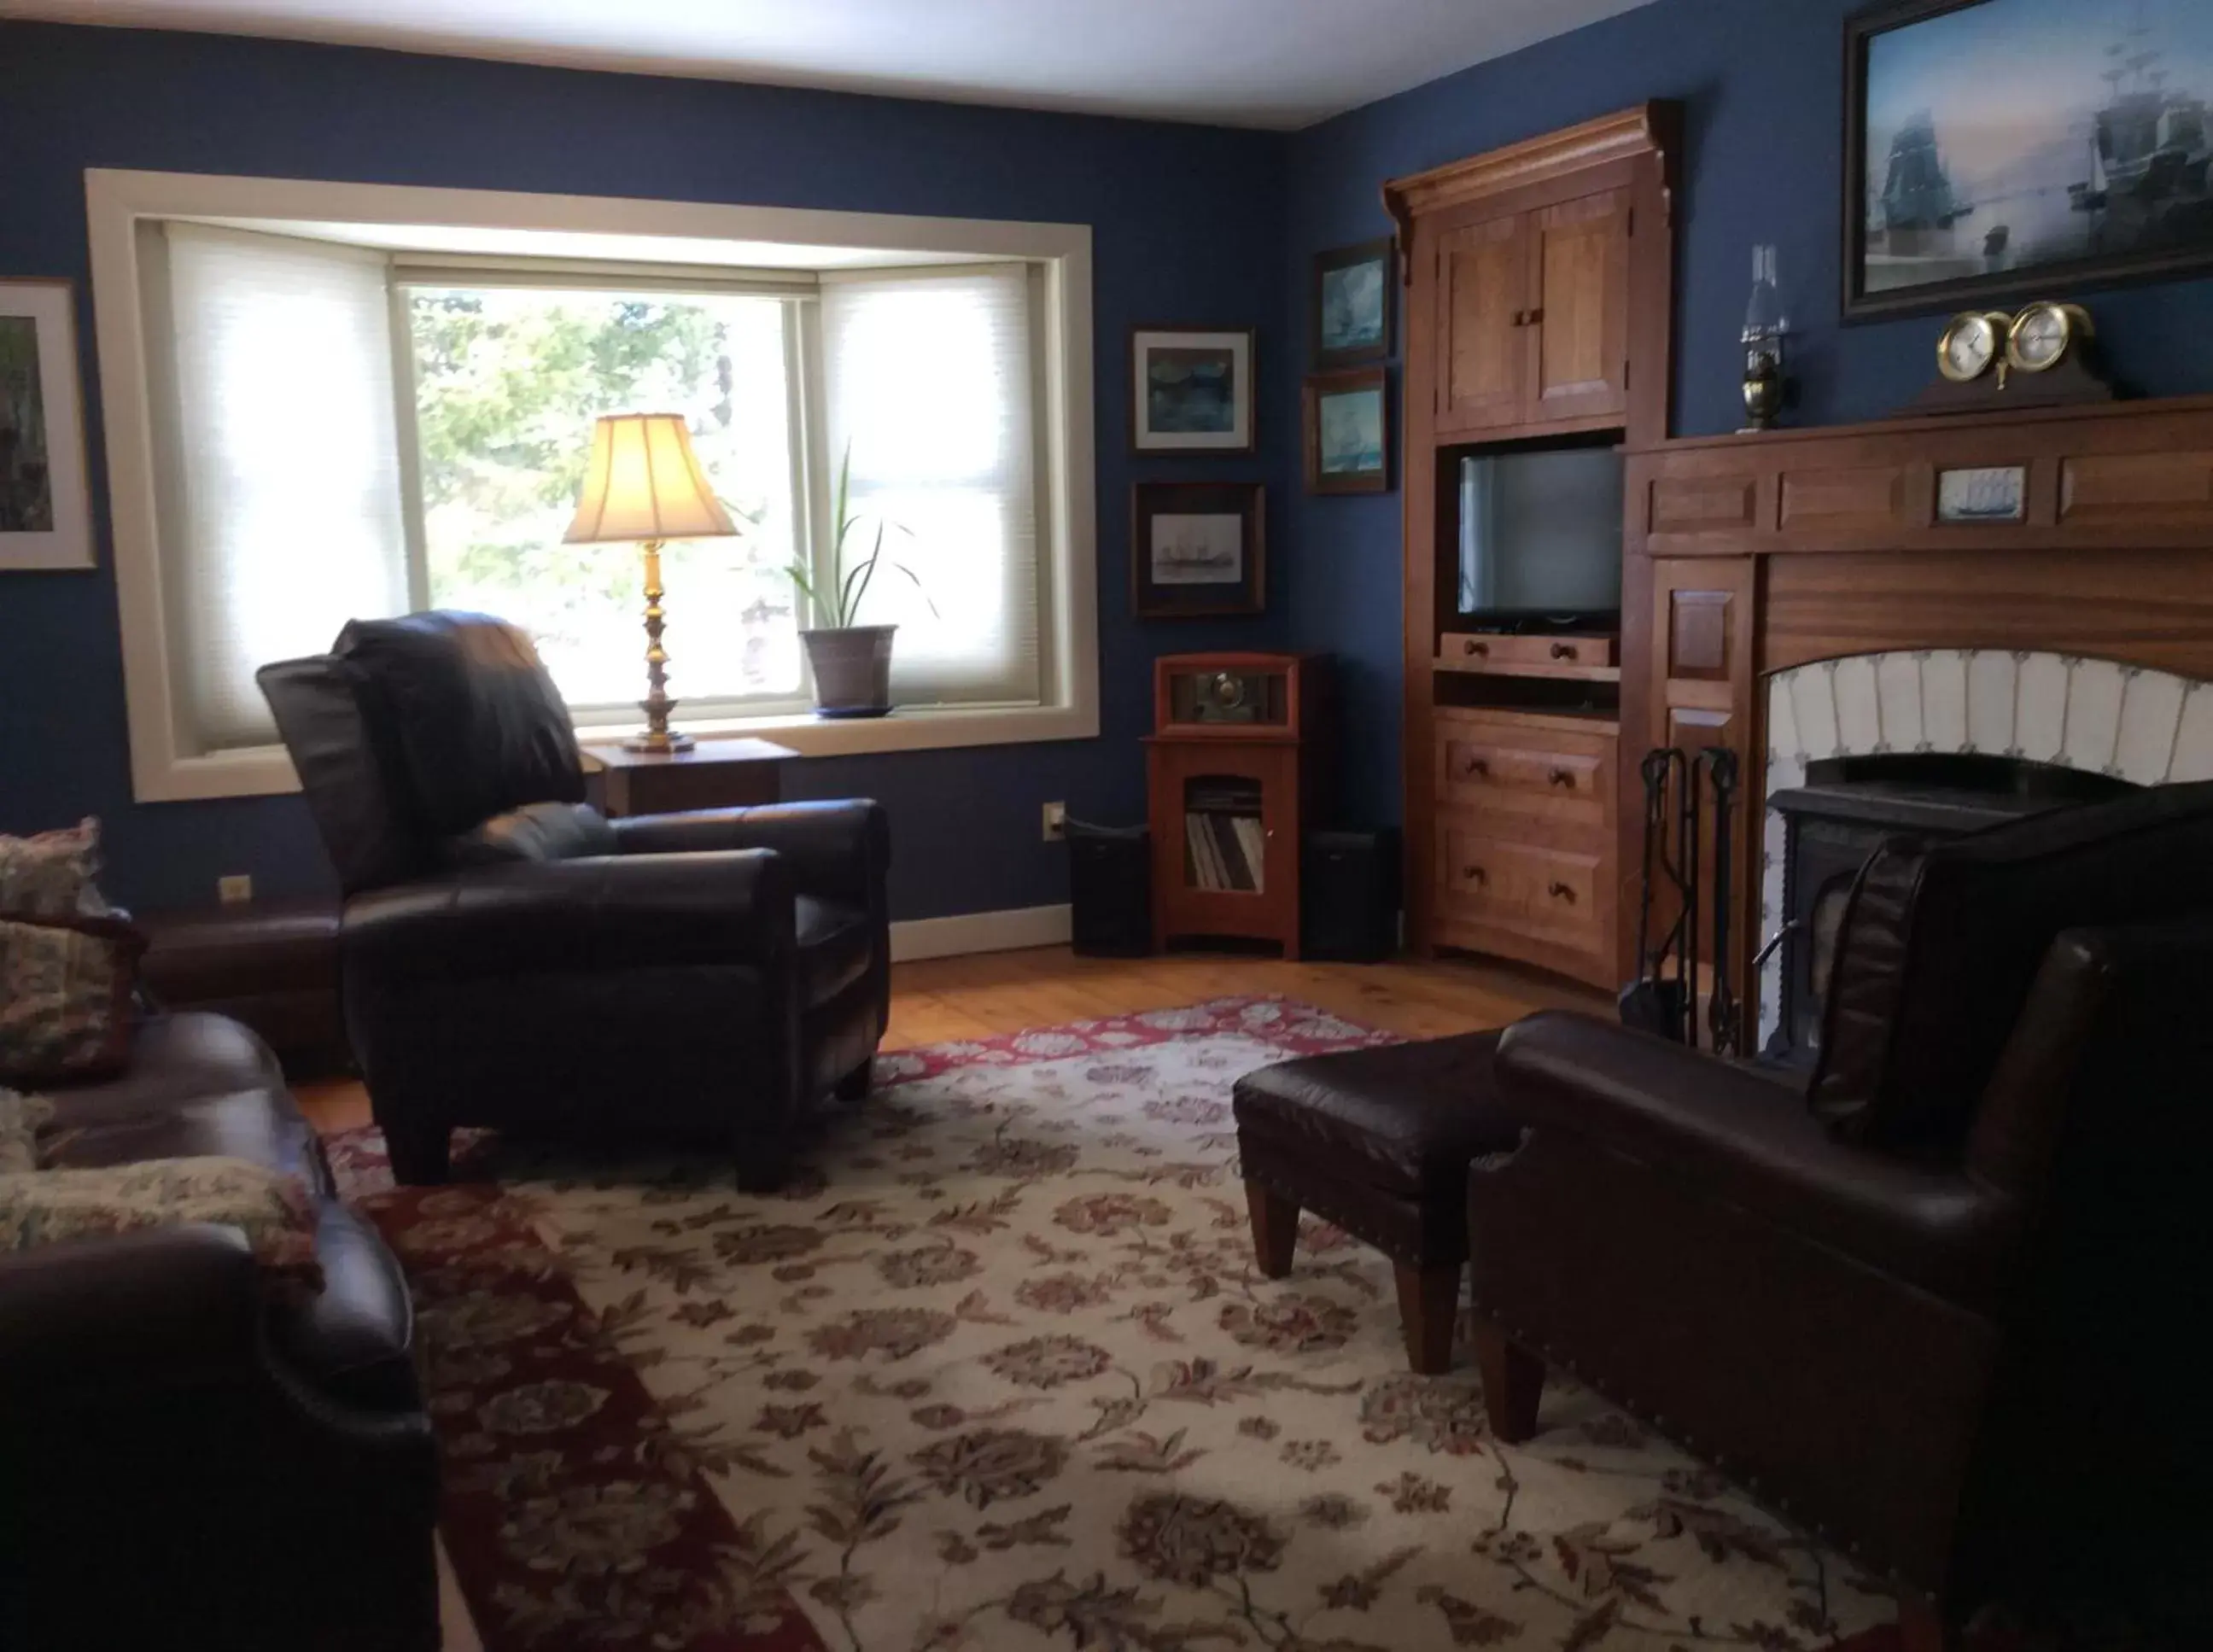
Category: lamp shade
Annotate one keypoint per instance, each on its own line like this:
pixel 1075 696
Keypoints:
pixel 643 482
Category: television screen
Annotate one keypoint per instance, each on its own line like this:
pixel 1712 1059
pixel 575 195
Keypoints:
pixel 1541 534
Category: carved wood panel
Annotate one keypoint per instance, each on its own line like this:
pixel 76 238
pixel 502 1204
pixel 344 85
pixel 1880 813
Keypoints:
pixel 2174 489
pixel 1871 497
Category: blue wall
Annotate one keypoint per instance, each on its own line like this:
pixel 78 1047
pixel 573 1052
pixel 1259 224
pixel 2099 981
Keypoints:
pixel 1191 223
pixel 1762 81
pixel 1187 225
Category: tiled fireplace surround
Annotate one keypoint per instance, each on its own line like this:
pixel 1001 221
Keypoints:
pixel 2144 726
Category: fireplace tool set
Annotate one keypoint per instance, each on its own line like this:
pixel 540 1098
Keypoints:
pixel 1663 999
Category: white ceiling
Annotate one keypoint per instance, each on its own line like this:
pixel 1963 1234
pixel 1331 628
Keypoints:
pixel 1281 64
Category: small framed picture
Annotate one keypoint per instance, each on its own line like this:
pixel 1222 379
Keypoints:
pixel 1355 300
pixel 1191 390
pixel 1197 548
pixel 1348 432
pixel 46 508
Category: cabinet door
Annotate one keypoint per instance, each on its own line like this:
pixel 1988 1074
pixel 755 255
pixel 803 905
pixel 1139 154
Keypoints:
pixel 1483 343
pixel 1579 273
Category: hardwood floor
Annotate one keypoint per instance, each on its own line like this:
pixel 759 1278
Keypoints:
pixel 986 994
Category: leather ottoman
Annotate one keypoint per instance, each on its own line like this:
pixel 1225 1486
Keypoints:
pixel 1379 1143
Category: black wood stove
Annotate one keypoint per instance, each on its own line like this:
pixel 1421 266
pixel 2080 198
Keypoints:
pixel 1849 805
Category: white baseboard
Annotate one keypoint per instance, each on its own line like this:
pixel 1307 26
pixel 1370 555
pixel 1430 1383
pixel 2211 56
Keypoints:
pixel 966 932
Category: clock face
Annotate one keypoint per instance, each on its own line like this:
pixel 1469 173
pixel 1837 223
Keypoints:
pixel 2041 336
pixel 1968 348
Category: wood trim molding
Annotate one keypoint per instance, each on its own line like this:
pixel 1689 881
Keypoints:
pixel 1014 930
pixel 1647 129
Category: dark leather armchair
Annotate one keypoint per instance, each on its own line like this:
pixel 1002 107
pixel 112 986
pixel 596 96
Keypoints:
pixel 510 958
pixel 1937 1305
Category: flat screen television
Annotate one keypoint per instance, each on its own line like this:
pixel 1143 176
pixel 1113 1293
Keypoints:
pixel 1541 539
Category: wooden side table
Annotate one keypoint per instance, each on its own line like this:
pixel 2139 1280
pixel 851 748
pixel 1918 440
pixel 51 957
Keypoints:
pixel 713 774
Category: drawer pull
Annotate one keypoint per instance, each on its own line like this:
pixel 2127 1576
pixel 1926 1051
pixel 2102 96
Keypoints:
pixel 1472 647
pixel 1563 650
pixel 1475 874
pixel 1561 892
pixel 1477 766
pixel 1563 776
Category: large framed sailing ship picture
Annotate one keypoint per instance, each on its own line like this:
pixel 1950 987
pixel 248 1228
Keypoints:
pixel 1998 147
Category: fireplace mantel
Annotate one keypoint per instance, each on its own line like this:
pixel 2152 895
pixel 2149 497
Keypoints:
pixel 1747 556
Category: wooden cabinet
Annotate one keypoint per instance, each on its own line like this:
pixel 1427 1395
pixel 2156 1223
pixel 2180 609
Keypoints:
pixel 1482 351
pixel 1541 306
pixel 1523 836
pixel 1578 324
pixel 1533 318
pixel 1239 744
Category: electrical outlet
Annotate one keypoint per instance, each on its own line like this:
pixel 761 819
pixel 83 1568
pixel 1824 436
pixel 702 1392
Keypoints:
pixel 1056 822
pixel 234 890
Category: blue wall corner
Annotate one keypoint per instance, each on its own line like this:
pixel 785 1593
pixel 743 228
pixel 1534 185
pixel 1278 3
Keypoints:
pixel 1188 223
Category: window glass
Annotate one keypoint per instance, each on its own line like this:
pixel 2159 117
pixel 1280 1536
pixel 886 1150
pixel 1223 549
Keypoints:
pixel 508 381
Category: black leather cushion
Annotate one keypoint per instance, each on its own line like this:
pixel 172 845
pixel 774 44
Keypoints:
pixel 474 717
pixel 834 944
pixel 355 785
pixel 1407 1118
pixel 536 831
pixel 1940 944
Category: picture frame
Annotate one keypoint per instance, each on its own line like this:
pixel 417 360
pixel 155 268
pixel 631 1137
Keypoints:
pixel 1346 417
pixel 1197 549
pixel 2034 171
pixel 1353 308
pixel 1190 390
pixel 46 502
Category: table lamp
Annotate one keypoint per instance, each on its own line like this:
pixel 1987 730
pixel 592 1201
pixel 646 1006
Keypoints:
pixel 642 485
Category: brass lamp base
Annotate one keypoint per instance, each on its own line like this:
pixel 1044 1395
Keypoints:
pixel 657 704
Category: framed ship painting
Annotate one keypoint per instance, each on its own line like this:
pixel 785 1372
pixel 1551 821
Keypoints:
pixel 1197 548
pixel 1998 148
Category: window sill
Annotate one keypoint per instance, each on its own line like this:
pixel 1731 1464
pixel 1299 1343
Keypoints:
pixel 266 772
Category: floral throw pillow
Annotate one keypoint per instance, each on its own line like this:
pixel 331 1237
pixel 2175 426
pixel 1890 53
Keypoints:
pixel 21 1118
pixel 50 874
pixel 45 1207
pixel 65 986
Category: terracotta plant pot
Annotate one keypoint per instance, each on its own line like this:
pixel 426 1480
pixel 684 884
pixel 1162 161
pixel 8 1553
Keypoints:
pixel 852 669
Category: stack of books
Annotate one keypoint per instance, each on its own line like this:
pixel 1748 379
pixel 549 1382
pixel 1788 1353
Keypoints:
pixel 1224 846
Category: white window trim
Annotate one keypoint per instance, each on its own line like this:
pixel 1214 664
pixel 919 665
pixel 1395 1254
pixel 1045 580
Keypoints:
pixel 162 768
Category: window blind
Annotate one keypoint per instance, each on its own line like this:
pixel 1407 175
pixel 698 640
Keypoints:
pixel 926 383
pixel 280 482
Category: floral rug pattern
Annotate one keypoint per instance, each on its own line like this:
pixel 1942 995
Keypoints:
pixel 998 1372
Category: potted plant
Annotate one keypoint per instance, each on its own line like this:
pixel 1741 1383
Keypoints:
pixel 852 664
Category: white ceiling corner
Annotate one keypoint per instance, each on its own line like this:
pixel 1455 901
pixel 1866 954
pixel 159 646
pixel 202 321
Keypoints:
pixel 1270 63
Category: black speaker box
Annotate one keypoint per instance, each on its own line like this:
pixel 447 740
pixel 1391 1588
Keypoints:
pixel 1110 889
pixel 1348 896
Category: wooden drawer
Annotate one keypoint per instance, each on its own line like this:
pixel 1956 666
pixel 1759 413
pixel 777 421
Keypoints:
pixel 1477 773
pixel 1484 649
pixel 1488 762
pixel 1553 893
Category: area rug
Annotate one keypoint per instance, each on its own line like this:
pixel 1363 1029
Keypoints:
pixel 997 1371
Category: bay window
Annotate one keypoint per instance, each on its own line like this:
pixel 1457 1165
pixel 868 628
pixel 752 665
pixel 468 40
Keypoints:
pixel 336 423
